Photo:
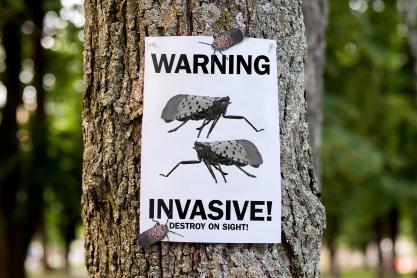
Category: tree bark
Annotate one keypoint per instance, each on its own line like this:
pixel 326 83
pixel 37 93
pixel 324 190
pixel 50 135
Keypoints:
pixel 12 238
pixel 112 114
pixel 315 19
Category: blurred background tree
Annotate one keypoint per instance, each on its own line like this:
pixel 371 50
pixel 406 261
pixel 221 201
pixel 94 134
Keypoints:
pixel 40 126
pixel 369 150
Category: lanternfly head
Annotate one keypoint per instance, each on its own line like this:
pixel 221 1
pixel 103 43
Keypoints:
pixel 154 234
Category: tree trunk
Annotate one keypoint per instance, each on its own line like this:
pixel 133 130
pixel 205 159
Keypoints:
pixel 38 168
pixel 393 221
pixel 380 269
pixel 315 19
pixel 67 246
pixel 45 245
pixel 410 9
pixel 112 114
pixel 12 239
pixel 20 196
pixel 332 230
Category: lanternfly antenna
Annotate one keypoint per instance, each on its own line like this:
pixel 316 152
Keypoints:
pixel 166 224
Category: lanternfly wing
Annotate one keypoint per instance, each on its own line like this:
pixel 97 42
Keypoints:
pixel 237 35
pixel 252 152
pixel 152 235
pixel 169 113
pixel 228 39
pixel 224 42
pixel 191 104
pixel 242 151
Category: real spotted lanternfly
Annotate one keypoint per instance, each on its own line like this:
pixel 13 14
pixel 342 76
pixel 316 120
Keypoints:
pixel 189 107
pixel 239 153
pixel 154 234
pixel 225 40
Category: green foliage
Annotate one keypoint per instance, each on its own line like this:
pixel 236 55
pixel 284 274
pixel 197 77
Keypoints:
pixel 369 151
pixel 60 172
pixel 64 105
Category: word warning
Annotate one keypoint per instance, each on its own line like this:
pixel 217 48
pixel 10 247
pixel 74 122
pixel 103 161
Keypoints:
pixel 210 169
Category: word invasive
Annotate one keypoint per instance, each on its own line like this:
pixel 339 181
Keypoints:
pixel 154 234
pixel 201 63
pixel 225 40
pixel 189 107
pixel 234 152
pixel 213 210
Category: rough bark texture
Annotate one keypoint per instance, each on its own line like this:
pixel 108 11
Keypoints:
pixel 315 19
pixel 112 114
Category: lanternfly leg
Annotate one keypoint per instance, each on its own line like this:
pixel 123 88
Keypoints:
pixel 182 162
pixel 212 126
pixel 221 172
pixel 175 129
pixel 205 122
pixel 250 175
pixel 242 118
pixel 210 170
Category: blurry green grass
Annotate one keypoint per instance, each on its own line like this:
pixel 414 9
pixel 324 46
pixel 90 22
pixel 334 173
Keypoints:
pixel 363 274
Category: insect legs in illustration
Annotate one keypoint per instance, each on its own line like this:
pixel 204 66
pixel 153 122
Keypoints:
pixel 239 153
pixel 154 234
pixel 184 108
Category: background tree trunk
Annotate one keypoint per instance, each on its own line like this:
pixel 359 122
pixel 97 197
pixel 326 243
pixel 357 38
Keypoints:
pixel 112 114
pixel 21 194
pixel 410 10
pixel 332 229
pixel 315 19
pixel 380 269
pixel 11 228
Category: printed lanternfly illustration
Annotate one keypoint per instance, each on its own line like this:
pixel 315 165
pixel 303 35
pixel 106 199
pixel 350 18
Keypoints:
pixel 190 107
pixel 226 40
pixel 239 153
pixel 154 234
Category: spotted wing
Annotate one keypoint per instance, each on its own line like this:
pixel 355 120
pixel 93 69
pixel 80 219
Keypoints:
pixel 151 236
pixel 170 110
pixel 229 149
pixel 194 104
pixel 146 239
pixel 228 39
